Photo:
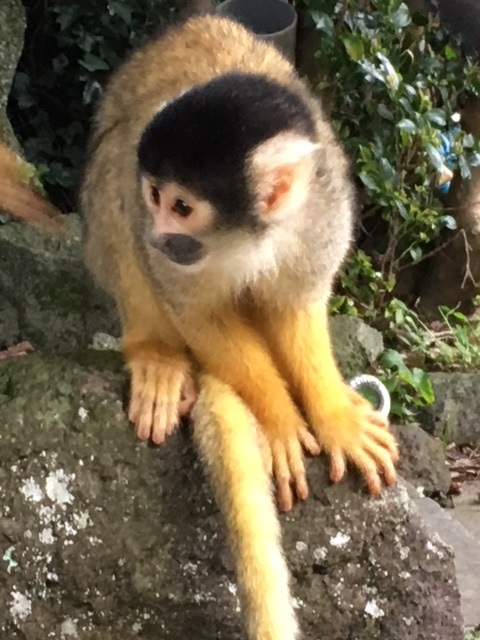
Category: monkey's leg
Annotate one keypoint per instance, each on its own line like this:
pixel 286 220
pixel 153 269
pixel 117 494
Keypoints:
pixel 228 440
pixel 232 351
pixel 161 386
pixel 345 424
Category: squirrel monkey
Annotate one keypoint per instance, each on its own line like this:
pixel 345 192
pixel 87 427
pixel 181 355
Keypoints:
pixel 218 211
pixel 20 199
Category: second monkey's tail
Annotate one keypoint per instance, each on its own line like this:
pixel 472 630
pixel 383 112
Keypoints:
pixel 226 437
pixel 21 200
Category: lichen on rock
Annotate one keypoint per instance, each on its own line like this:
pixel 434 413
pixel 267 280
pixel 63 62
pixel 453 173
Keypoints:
pixel 105 535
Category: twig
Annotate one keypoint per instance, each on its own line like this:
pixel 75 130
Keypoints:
pixel 468 272
pixel 425 255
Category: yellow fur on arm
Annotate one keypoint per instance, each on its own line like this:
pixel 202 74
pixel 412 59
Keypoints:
pixel 300 340
pixel 228 441
pixel 231 350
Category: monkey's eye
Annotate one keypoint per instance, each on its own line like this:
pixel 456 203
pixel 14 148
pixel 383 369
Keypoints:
pixel 155 193
pixel 182 208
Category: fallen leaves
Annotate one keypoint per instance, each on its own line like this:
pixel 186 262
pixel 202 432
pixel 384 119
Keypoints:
pixel 463 462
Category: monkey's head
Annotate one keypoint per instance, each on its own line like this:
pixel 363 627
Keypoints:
pixel 229 158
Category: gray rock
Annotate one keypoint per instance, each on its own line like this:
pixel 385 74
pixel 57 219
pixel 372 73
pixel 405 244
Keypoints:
pixel 466 552
pixel 103 537
pixel 454 414
pixel 467 510
pixel 12 28
pixel 46 295
pixel 356 344
pixel 422 459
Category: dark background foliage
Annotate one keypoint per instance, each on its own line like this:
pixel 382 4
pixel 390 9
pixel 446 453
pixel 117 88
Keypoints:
pixel 70 48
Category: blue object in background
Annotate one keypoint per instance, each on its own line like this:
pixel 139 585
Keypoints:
pixel 446 151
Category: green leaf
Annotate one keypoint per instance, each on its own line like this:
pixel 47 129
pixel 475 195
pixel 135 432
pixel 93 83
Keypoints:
pixel 94 63
pixel 401 17
pixel 435 156
pixel 120 9
pixel 323 22
pixel 450 53
pixel 387 172
pixel 393 360
pixel 464 168
pixel 448 222
pixel 385 112
pixel 354 46
pixel 424 385
pixel 407 125
pixel 368 181
pixel 416 253
pixel 437 116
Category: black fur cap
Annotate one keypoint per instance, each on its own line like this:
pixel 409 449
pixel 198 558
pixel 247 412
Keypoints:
pixel 201 139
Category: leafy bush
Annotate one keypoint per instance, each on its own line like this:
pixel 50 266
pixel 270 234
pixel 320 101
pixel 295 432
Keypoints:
pixel 393 82
pixel 70 48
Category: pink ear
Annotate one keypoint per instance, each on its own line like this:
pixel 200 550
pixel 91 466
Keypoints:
pixel 279 190
pixel 282 168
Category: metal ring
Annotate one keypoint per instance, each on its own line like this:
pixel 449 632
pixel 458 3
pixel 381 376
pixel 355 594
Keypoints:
pixel 366 380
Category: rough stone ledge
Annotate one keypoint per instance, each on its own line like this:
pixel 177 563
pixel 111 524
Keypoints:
pixel 466 552
pixel 454 414
pixel 102 536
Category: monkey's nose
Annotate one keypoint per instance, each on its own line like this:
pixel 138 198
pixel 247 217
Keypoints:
pixel 180 248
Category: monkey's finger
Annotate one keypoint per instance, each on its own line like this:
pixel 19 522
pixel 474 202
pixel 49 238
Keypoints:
pixel 137 383
pixel 297 469
pixel 383 461
pixel 282 477
pixel 385 439
pixel 144 420
pixel 309 441
pixel 173 418
pixel 337 465
pixel 188 397
pixel 160 422
pixel 172 400
pixel 369 471
pixel 378 419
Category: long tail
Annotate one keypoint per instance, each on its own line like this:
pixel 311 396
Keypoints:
pixel 226 436
pixel 20 200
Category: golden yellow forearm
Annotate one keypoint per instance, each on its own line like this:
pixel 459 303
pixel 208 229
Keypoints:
pixel 300 341
pixel 345 425
pixel 232 351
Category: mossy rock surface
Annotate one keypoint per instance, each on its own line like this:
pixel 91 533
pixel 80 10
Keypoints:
pixel 103 537
pixel 46 294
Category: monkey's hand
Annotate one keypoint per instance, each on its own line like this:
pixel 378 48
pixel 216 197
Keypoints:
pixel 351 430
pixel 282 453
pixel 161 392
pixel 346 426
